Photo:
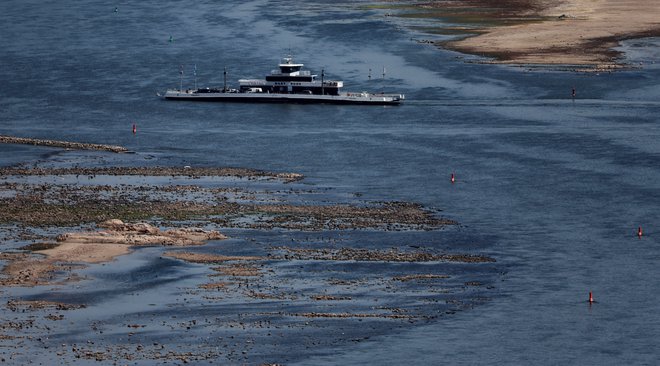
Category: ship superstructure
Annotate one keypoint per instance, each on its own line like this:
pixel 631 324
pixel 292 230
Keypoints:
pixel 291 79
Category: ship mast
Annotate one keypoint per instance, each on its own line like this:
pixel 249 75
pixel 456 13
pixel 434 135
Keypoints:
pixel 181 78
pixel 224 87
pixel 195 75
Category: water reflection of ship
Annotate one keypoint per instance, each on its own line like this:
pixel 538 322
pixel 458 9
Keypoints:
pixel 289 84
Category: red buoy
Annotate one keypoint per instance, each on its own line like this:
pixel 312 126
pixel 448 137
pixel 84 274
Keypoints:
pixel 639 232
pixel 591 297
pixel 453 179
pixel 134 129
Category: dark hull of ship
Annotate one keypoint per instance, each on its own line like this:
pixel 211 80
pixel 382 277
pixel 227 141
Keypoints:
pixel 371 99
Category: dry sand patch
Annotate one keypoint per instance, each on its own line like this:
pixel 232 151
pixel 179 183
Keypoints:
pixel 581 33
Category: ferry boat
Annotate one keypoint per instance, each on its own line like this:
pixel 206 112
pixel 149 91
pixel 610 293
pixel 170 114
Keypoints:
pixel 289 84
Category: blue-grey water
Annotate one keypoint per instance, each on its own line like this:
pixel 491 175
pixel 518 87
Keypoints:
pixel 553 188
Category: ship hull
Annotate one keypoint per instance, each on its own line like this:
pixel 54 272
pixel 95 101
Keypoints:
pixel 345 98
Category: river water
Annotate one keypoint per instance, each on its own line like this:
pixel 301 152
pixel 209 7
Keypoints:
pixel 552 187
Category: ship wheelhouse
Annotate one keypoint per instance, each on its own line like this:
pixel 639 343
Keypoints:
pixel 291 79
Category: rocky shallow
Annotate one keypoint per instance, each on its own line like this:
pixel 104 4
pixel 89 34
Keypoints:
pixel 83 202
pixel 264 274
pixel 61 144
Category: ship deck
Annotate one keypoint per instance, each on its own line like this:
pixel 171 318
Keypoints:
pixel 344 98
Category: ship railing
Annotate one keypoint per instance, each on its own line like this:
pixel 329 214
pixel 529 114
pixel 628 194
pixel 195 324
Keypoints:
pixel 300 72
pixel 365 94
pixel 251 82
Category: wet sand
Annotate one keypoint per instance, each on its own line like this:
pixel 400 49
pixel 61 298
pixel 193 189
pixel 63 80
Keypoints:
pixel 573 32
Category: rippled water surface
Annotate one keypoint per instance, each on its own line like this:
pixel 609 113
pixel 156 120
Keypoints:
pixel 551 187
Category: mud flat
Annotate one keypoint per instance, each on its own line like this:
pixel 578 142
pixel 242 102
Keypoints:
pixel 580 34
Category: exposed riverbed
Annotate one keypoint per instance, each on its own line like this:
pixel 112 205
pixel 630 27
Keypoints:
pixel 367 253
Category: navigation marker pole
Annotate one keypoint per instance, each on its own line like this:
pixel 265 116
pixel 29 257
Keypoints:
pixel 224 87
pixel 322 82
pixel 181 78
pixel 370 73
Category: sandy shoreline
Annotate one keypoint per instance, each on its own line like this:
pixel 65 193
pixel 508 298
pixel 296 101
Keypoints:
pixel 570 32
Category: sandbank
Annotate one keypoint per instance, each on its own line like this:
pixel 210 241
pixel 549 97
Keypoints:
pixel 116 239
pixel 570 32
pixel 86 252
